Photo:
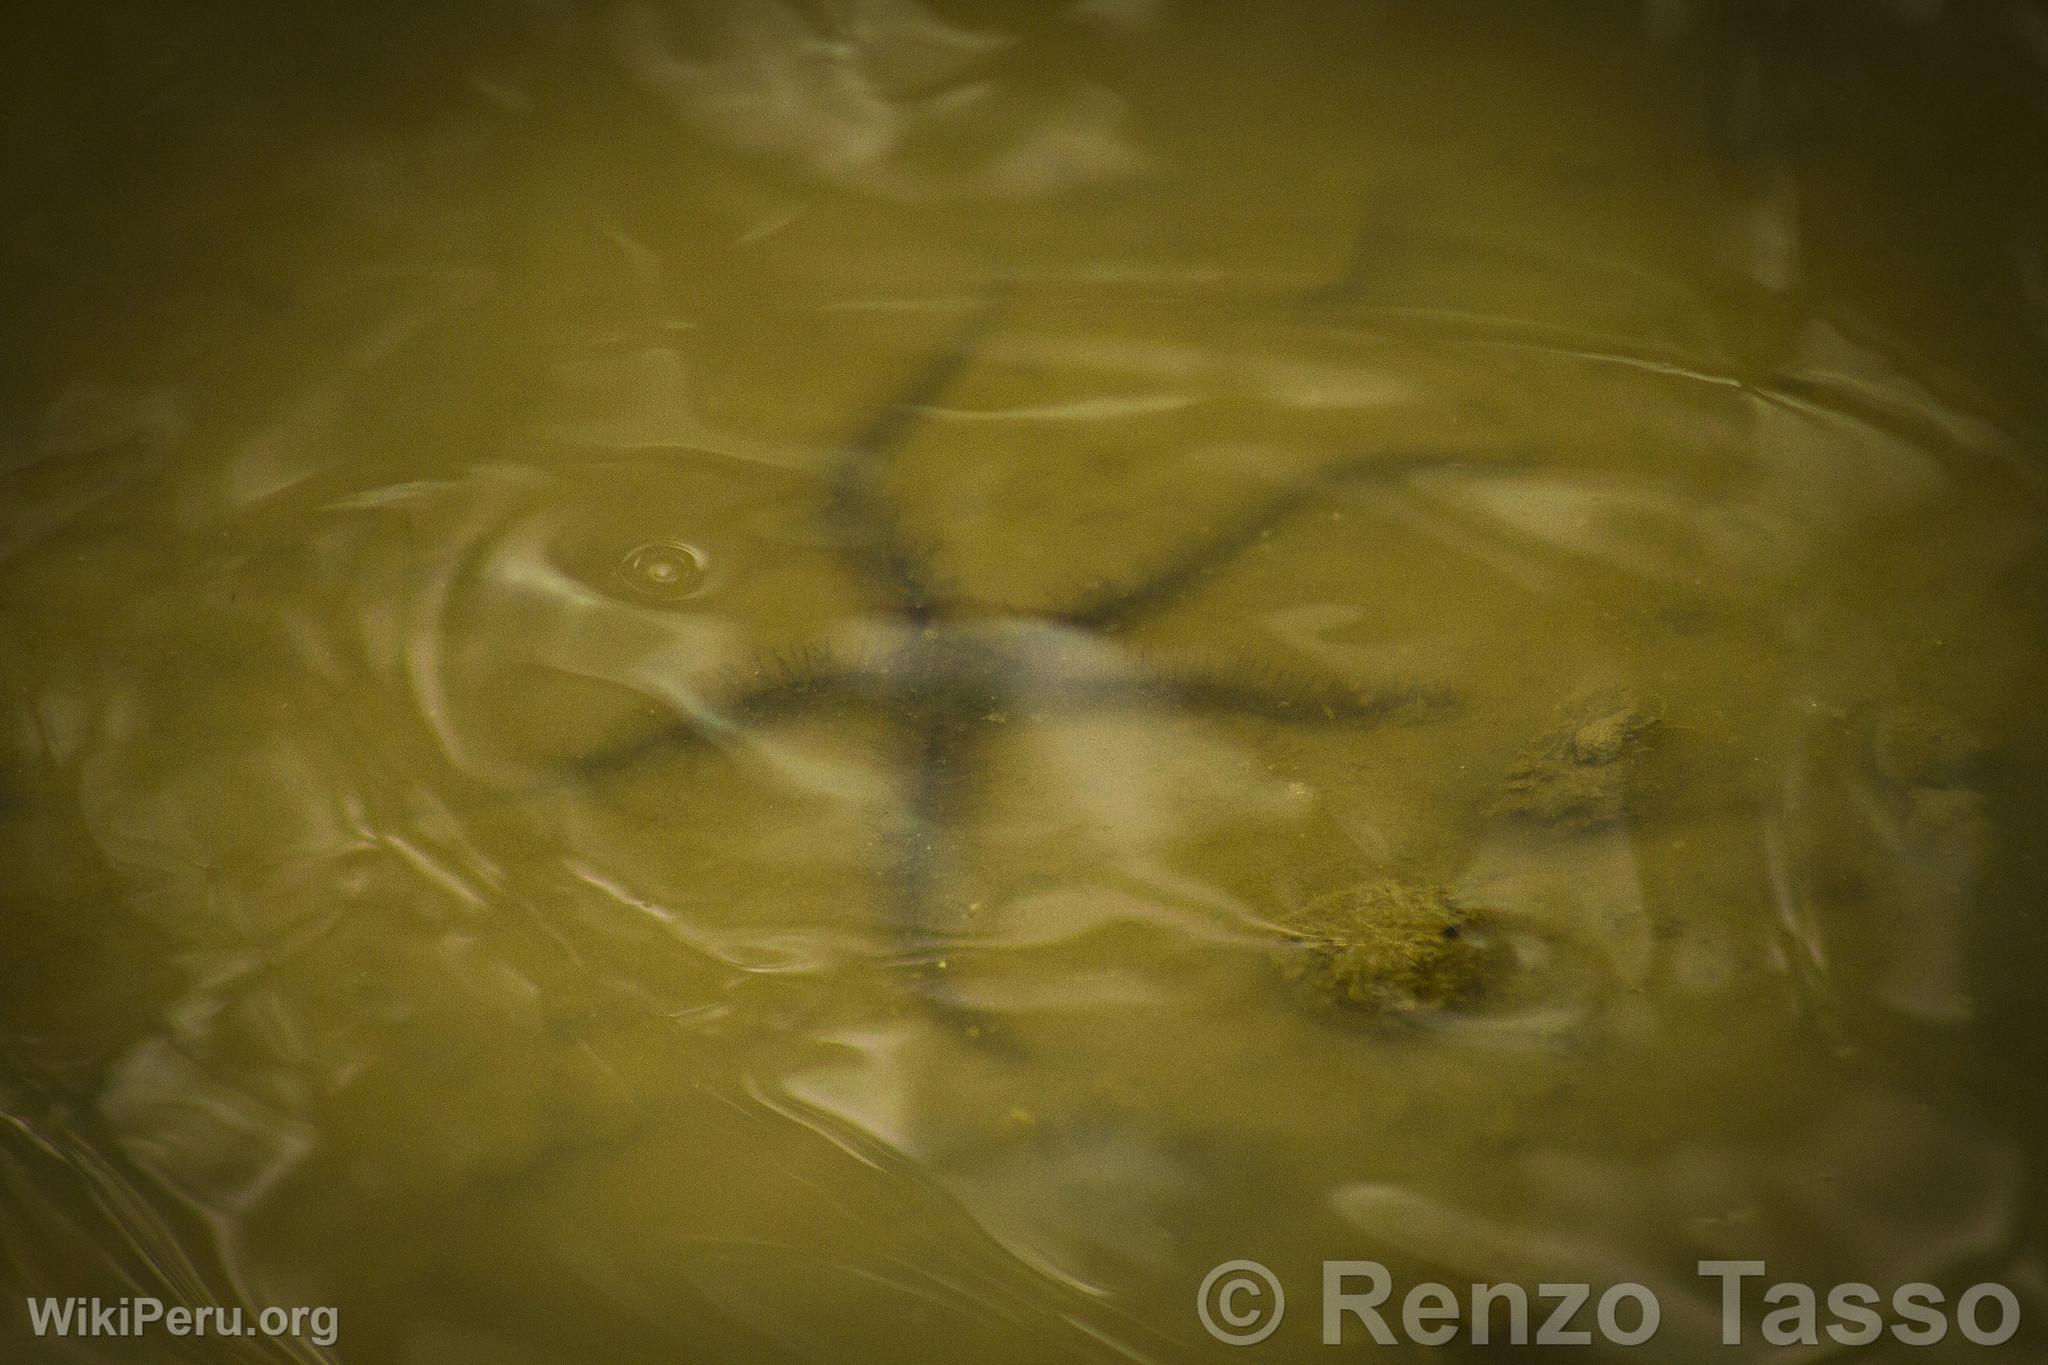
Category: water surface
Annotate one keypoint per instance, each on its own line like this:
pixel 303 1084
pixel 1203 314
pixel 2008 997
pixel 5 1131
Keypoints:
pixel 672 673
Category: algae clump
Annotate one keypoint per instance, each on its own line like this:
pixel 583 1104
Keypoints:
pixel 1585 771
pixel 1390 950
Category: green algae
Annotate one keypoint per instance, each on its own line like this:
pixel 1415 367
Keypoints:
pixel 1389 949
pixel 1586 769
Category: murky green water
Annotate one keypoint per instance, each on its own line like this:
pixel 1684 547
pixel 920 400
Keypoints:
pixel 699 683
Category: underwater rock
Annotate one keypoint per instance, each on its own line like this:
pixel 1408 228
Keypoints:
pixel 1912 747
pixel 1917 777
pixel 1927 771
pixel 1585 771
pixel 1390 949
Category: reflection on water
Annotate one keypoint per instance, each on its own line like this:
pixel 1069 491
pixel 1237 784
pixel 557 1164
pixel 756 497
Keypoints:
pixel 867 681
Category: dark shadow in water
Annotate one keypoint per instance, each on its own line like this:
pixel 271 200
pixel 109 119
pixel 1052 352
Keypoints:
pixel 952 681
